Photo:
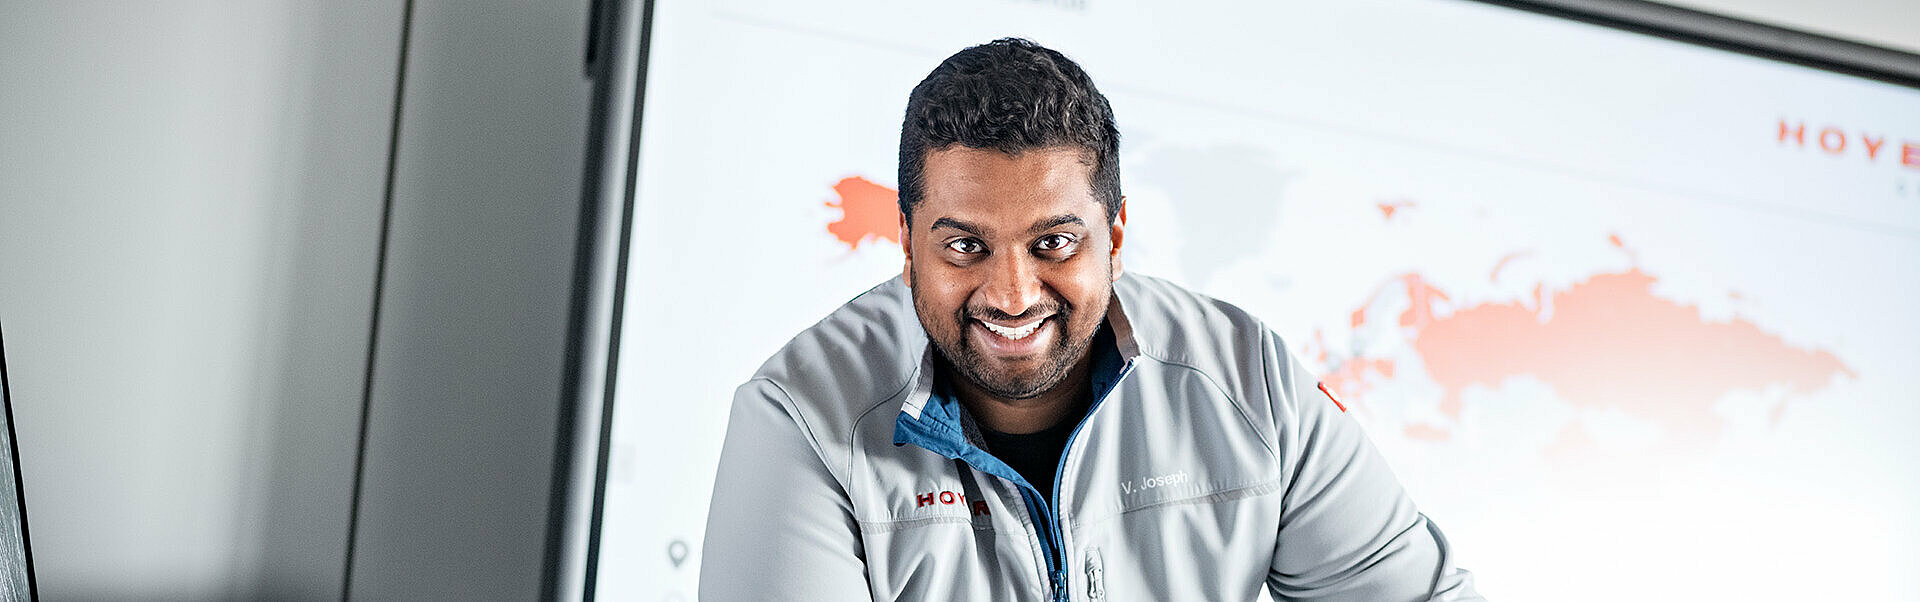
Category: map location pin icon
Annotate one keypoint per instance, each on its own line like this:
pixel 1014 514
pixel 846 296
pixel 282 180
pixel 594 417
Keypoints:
pixel 677 552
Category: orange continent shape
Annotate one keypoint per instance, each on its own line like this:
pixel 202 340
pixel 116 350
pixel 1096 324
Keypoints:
pixel 1609 342
pixel 869 211
pixel 1387 209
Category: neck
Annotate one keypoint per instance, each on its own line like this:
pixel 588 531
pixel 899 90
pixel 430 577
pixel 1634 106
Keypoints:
pixel 1023 416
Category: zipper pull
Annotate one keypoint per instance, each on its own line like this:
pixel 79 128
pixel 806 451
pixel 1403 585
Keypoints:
pixel 1096 575
pixel 1060 592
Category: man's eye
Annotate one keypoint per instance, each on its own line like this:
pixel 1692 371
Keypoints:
pixel 965 246
pixel 1053 242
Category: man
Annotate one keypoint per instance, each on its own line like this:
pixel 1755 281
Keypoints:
pixel 1014 419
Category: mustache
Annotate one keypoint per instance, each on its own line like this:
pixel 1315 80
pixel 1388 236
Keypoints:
pixel 989 313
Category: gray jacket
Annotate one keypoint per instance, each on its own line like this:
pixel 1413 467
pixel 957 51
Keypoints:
pixel 1208 466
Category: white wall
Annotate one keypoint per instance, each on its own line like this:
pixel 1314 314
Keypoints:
pixel 189 205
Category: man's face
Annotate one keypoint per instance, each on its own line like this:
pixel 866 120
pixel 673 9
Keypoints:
pixel 1012 262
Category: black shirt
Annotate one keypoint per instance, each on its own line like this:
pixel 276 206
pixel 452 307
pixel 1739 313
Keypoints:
pixel 1034 455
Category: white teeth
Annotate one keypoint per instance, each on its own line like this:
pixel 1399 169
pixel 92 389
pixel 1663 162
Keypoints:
pixel 1014 333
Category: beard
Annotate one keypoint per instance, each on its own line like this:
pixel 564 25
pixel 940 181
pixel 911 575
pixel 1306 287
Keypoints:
pixel 1069 347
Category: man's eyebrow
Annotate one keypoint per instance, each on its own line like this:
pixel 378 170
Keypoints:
pixel 1057 221
pixel 948 222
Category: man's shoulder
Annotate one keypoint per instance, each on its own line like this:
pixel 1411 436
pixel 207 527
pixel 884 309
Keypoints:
pixel 862 354
pixel 1175 324
pixel 1192 333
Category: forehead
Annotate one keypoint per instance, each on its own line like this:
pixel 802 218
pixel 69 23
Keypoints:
pixel 999 190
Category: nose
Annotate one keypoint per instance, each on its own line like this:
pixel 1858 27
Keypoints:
pixel 1013 285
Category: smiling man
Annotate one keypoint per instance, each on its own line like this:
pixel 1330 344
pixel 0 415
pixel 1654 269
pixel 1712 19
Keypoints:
pixel 1015 419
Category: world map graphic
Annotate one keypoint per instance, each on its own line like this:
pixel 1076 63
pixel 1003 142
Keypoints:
pixel 1606 342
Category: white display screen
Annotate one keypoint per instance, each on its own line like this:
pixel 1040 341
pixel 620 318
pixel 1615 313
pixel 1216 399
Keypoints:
pixel 1629 317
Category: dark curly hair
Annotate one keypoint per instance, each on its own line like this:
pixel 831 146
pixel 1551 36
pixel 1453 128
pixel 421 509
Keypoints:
pixel 1009 95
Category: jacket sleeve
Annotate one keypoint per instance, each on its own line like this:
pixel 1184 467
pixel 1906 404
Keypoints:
pixel 780 526
pixel 1348 531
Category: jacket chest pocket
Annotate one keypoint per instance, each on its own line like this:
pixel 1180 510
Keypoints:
pixel 1181 442
pixel 1225 542
pixel 950 533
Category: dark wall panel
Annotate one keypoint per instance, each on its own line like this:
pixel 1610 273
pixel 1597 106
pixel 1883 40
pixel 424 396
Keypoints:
pixel 468 355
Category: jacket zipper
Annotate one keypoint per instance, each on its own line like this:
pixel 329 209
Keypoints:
pixel 1059 546
pixel 1054 573
pixel 1042 508
pixel 1096 576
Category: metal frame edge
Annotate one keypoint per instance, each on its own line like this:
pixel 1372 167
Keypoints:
pixel 616 61
pixel 1735 35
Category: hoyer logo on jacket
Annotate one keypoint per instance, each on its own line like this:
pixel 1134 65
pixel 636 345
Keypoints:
pixel 949 498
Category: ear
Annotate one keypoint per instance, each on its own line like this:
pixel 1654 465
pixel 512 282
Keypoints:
pixel 906 250
pixel 1119 226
